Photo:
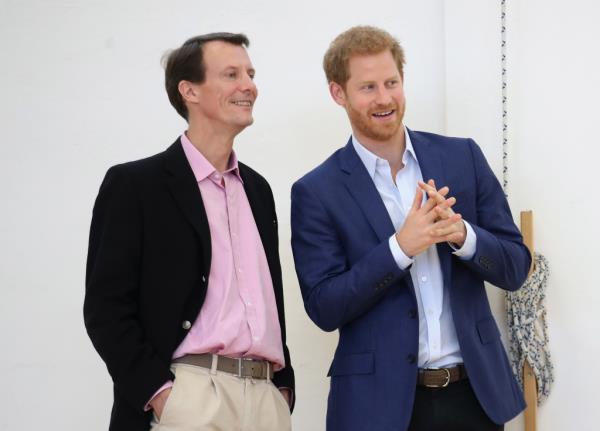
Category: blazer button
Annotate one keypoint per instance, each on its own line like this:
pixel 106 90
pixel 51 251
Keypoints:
pixel 186 324
pixel 412 313
pixel 411 358
pixel 203 279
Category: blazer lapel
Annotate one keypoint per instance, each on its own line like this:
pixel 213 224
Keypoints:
pixel 361 187
pixel 430 161
pixel 431 164
pixel 184 188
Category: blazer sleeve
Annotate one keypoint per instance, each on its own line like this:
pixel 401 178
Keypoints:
pixel 335 292
pixel 112 291
pixel 500 258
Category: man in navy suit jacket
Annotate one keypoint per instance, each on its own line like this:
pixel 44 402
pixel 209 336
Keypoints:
pixel 398 267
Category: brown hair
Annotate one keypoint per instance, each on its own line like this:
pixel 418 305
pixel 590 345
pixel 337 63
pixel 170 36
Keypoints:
pixel 359 40
pixel 186 64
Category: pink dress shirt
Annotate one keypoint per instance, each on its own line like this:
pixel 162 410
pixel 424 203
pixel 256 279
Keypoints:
pixel 239 315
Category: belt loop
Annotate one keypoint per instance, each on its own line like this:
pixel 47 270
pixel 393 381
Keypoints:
pixel 213 365
pixel 268 370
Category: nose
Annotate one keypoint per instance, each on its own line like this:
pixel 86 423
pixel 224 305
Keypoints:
pixel 383 96
pixel 248 85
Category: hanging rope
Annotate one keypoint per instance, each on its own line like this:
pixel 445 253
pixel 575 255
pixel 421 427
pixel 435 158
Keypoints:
pixel 504 104
pixel 525 308
pixel 528 330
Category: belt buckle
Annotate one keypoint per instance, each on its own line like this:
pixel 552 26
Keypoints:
pixel 242 367
pixel 446 383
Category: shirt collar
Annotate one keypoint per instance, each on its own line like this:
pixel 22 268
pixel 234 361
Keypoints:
pixel 201 167
pixel 371 160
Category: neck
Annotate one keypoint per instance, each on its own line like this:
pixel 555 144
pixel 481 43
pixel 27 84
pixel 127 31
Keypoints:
pixel 391 150
pixel 215 145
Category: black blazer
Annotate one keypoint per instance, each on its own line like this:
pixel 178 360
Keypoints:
pixel 147 271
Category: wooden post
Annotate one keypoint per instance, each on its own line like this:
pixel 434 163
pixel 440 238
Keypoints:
pixel 529 382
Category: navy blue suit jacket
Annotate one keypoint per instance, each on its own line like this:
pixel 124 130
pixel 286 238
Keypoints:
pixel 350 282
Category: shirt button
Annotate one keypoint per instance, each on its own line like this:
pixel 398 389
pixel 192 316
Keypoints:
pixel 186 324
pixel 423 279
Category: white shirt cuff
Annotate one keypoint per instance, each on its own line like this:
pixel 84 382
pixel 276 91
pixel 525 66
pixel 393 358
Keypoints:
pixel 468 249
pixel 402 260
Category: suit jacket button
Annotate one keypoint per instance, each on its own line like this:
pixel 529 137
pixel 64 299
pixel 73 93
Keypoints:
pixel 412 313
pixel 186 324
pixel 203 279
pixel 411 358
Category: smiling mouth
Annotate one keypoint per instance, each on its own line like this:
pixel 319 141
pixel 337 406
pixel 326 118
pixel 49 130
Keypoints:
pixel 384 114
pixel 243 103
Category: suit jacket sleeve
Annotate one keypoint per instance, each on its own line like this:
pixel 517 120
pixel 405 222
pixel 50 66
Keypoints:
pixel 500 258
pixel 112 292
pixel 335 292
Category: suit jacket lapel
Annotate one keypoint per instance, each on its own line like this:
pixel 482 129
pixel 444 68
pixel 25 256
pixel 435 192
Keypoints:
pixel 430 161
pixel 184 188
pixel 361 187
pixel 432 167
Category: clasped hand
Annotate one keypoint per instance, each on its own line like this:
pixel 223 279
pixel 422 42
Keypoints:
pixel 432 222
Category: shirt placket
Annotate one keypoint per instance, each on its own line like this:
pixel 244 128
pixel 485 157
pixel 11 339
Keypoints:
pixel 233 207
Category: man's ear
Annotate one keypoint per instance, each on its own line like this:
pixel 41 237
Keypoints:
pixel 337 93
pixel 188 91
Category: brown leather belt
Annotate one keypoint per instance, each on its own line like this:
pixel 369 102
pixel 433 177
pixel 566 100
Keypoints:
pixel 441 377
pixel 240 367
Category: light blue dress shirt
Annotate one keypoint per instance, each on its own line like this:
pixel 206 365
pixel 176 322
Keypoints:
pixel 438 344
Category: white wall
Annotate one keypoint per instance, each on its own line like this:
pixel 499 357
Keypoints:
pixel 82 89
pixel 554 88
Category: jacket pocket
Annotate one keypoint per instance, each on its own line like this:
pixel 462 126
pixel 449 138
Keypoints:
pixel 488 331
pixel 356 363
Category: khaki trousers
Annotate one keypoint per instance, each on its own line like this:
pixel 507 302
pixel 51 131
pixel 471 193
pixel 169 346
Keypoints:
pixel 205 400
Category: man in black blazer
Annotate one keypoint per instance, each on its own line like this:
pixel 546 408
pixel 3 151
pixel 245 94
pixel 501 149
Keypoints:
pixel 184 297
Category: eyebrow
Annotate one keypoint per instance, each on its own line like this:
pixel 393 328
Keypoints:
pixel 226 68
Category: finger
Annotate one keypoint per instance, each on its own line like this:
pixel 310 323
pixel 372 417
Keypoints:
pixel 430 186
pixel 416 205
pixel 427 208
pixel 444 210
pixel 446 226
pixel 425 187
pixel 435 199
pixel 455 238
pixel 450 201
pixel 438 196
